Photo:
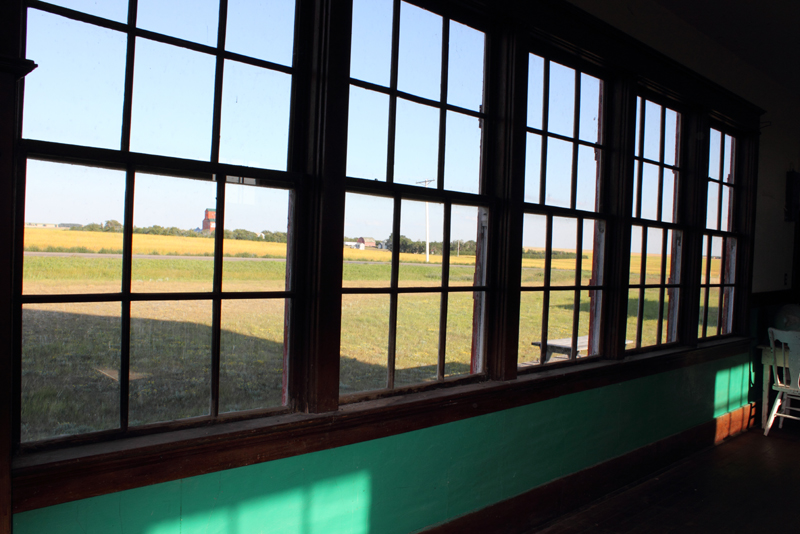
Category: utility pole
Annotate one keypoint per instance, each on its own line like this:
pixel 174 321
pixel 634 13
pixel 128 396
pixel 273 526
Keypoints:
pixel 427 225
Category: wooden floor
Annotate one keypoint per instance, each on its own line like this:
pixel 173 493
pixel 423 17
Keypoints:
pixel 750 484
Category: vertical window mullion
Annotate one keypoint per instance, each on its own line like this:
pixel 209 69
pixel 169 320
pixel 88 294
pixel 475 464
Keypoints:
pixel 127 102
pixel 576 124
pixel 125 341
pixel 216 303
pixel 393 92
pixel 443 103
pixel 576 308
pixel 545 136
pixel 659 333
pixel 548 251
pixel 392 345
pixel 445 293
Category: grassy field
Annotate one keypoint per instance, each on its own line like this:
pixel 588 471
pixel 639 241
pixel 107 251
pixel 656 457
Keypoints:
pixel 71 352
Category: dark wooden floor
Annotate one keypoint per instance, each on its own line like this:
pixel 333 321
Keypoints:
pixel 750 484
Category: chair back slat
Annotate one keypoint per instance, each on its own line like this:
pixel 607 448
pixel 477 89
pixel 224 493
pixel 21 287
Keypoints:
pixel 789 361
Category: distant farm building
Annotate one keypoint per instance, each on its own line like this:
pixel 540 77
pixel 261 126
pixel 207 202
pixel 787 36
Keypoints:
pixel 366 241
pixel 210 222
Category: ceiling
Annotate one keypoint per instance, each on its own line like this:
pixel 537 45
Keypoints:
pixel 763 33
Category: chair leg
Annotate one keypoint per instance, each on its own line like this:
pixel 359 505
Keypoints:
pixel 772 413
pixel 785 409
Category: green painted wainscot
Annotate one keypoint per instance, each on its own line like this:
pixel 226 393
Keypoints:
pixel 407 482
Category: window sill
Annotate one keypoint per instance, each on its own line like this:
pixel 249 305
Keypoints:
pixel 46 478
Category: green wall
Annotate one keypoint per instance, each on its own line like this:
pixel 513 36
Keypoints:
pixel 407 482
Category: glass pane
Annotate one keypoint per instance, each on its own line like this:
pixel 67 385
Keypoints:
pixel 588 178
pixel 173 101
pixel 251 354
pixel 650 317
pixel 588 335
pixel 367 134
pixel 670 324
pixel 530 327
pixel 108 9
pixel 673 257
pixel 714 156
pixel 652 130
pixel 592 254
pixel 172 250
pixel 367 241
pixel 171 352
pixel 561 109
pixel 364 342
pixel 559 326
pixel 727 215
pixel 650 192
pixel 193 20
pixel 254 128
pixel 465 244
pixel 462 163
pixel 713 311
pixel 70 369
pixel 590 108
pixel 419 69
pixel 637 149
pixel 701 319
pixel 730 260
pixel 563 258
pixel 465 67
pixel 255 239
pixel 716 260
pixel 535 90
pixel 671 137
pixel 726 314
pixel 416 156
pixel 668 207
pixel 261 28
pixel 636 256
pixel 635 206
pixel 712 204
pixel 654 249
pixel 559 173
pixel 460 312
pixel 703 277
pixel 421 237
pixel 633 319
pixel 371 41
pixel 417 351
pixel 728 161
pixel 533 167
pixel 75 95
pixel 534 241
pixel 73 234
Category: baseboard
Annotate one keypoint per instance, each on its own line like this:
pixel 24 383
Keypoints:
pixel 554 499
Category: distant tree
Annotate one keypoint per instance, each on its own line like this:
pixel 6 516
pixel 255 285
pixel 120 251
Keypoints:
pixel 112 225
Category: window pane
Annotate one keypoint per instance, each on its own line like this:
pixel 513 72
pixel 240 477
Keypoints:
pixel 533 167
pixel 668 207
pixel 460 320
pixel 530 327
pixel 654 248
pixel 702 315
pixel 588 178
pixel 590 108
pixel 254 130
pixel 703 278
pixel 171 250
pixel 671 137
pixel 674 246
pixel 652 130
pixel 255 240
pixel 711 205
pixel 171 352
pixel 727 162
pixel 173 100
pixel 730 260
pixel 462 164
pixel 726 219
pixel 534 241
pixel 70 369
pixel 670 325
pixel 561 109
pixel 367 134
pixel 371 41
pixel 364 342
pixel 588 335
pixel 467 225
pixel 73 234
pixel 714 156
pixel 193 20
pixel 251 354
pixel 716 260
pixel 592 255
pixel 419 70
pixel 636 149
pixel 417 351
pixel 559 173
pixel 367 241
pixel 416 144
pixel 635 207
pixel 559 326
pixel 650 192
pixel 108 9
pixel 636 256
pixel 535 90
pixel 633 319
pixel 713 311
pixel 75 95
pixel 563 259
pixel 465 68
pixel 650 317
pixel 726 314
pixel 421 227
pixel 261 29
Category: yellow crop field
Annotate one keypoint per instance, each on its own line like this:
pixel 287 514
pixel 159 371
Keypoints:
pixel 352 254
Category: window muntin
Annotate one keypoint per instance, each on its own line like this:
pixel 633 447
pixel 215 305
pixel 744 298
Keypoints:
pixel 656 239
pixel 718 269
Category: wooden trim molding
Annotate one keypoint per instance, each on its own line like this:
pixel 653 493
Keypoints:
pixel 47 478
pixel 559 497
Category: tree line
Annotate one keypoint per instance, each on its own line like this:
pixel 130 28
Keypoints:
pixel 240 234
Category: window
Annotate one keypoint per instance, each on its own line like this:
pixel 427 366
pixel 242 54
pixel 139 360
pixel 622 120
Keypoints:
pixel 563 235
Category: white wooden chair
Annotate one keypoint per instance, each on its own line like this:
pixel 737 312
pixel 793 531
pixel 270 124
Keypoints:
pixel 786 370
